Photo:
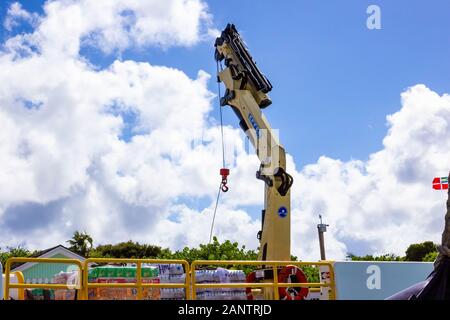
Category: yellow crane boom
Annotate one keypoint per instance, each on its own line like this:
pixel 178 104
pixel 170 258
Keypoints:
pixel 246 93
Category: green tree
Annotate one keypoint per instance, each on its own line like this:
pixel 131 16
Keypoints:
pixel 18 251
pixel 226 250
pixel 418 251
pixel 385 257
pixel 430 257
pixel 213 251
pixel 81 243
pixel 127 249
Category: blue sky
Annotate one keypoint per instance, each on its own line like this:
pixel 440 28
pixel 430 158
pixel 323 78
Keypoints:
pixel 334 80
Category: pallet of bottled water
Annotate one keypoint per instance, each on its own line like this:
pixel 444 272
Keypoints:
pixel 172 273
pixel 220 275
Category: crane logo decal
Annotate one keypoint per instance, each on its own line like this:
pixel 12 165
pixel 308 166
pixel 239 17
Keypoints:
pixel 254 124
pixel 282 212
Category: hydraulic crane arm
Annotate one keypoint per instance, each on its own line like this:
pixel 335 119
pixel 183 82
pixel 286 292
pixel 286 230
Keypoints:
pixel 246 93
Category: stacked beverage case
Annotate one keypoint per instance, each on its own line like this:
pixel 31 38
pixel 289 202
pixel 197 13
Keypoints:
pixel 69 278
pixel 122 274
pixel 156 273
pixel 172 273
pixel 220 275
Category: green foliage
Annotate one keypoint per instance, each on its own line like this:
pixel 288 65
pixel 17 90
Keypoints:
pixel 228 250
pixel 425 251
pixel 385 257
pixel 127 249
pixel 81 243
pixel 214 251
pixel 430 257
pixel 418 251
pixel 13 252
pixel 311 273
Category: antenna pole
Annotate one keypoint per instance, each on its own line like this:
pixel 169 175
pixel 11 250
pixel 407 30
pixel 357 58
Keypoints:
pixel 322 228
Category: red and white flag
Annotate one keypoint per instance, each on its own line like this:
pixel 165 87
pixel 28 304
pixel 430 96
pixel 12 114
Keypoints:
pixel 440 183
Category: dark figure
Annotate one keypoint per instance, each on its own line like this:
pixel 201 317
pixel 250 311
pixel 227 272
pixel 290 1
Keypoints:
pixel 437 285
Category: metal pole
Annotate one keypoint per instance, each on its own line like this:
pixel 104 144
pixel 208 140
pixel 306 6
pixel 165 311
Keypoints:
pixel 322 228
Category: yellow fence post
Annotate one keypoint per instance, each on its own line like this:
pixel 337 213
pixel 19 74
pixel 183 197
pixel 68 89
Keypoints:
pixel 275 282
pixel 139 280
pixel 7 272
pixel 193 281
pixel 332 282
pixel 85 281
pixel 20 279
pixel 187 287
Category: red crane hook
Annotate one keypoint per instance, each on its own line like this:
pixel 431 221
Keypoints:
pixel 224 172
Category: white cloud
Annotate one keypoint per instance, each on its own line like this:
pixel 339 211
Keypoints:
pixel 65 163
pixel 16 14
pixel 384 204
pixel 112 25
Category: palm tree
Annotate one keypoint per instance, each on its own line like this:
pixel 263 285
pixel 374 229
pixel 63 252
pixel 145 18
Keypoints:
pixel 81 243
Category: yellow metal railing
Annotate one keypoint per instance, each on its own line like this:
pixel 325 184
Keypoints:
pixel 20 279
pixel 190 284
pixel 22 286
pixel 138 284
pixel 274 285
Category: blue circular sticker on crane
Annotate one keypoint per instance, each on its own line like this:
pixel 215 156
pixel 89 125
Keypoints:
pixel 282 212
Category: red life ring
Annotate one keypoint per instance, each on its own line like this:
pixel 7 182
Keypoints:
pixel 294 275
pixel 250 279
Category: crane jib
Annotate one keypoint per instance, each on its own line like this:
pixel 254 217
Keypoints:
pixel 247 93
pixel 233 39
